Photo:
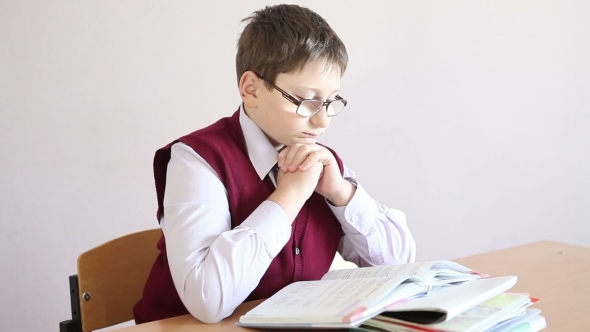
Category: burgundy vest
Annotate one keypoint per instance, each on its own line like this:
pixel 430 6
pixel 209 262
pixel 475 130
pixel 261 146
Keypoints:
pixel 315 232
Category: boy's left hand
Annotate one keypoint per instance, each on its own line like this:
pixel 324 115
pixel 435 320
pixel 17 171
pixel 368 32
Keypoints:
pixel 331 184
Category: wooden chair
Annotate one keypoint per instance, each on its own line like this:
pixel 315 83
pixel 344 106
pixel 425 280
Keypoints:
pixel 110 281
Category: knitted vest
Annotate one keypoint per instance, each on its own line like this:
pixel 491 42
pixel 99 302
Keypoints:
pixel 307 255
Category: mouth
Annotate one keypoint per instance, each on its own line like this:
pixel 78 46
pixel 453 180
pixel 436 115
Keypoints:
pixel 310 135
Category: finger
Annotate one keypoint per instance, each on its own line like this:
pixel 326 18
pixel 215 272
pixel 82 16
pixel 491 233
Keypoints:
pixel 319 167
pixel 306 155
pixel 302 156
pixel 320 154
pixel 289 157
pixel 312 158
pixel 282 155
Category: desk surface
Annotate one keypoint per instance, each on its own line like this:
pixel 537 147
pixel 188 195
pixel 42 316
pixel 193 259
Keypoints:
pixel 557 273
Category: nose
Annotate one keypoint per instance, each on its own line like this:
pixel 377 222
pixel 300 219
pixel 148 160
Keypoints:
pixel 321 119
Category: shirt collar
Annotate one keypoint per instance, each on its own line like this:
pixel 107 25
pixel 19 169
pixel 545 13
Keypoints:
pixel 263 155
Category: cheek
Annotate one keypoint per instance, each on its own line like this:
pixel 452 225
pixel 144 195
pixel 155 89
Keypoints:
pixel 267 109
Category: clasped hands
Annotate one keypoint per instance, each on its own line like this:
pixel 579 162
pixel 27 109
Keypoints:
pixel 311 167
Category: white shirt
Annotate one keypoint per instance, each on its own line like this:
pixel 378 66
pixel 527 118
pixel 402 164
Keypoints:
pixel 214 267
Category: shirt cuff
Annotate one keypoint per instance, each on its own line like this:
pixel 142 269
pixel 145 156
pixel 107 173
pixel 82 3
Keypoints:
pixel 360 213
pixel 270 222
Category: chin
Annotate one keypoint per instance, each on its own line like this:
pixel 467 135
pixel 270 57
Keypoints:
pixel 308 141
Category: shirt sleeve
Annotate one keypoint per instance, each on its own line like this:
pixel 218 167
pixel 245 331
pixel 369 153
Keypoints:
pixel 214 267
pixel 373 233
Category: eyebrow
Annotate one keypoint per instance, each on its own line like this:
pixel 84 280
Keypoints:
pixel 317 91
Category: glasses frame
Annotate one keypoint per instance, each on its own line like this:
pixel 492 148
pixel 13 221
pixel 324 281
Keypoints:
pixel 298 102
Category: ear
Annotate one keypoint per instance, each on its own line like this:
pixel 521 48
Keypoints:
pixel 249 83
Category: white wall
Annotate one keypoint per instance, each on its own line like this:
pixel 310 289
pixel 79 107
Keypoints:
pixel 471 117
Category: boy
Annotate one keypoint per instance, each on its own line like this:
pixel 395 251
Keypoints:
pixel 235 227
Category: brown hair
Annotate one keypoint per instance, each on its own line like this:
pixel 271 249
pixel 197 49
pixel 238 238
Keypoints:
pixel 283 39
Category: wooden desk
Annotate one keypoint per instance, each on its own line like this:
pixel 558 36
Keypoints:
pixel 557 273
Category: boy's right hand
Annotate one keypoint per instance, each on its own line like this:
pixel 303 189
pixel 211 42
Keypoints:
pixel 294 188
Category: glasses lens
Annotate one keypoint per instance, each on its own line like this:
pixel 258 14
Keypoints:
pixel 309 107
pixel 335 107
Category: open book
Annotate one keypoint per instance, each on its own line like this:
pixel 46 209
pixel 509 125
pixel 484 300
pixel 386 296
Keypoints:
pixel 346 298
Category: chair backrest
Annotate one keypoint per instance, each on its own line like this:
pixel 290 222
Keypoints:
pixel 111 278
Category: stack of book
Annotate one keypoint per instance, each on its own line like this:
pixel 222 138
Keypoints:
pixel 430 296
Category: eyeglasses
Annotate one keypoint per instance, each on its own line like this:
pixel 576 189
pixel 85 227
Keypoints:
pixel 310 107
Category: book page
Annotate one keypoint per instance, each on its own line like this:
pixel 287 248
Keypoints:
pixel 444 272
pixel 331 298
pixel 451 267
pixel 432 273
pixel 421 270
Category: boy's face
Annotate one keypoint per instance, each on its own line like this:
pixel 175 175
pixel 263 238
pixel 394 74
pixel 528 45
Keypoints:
pixel 277 116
